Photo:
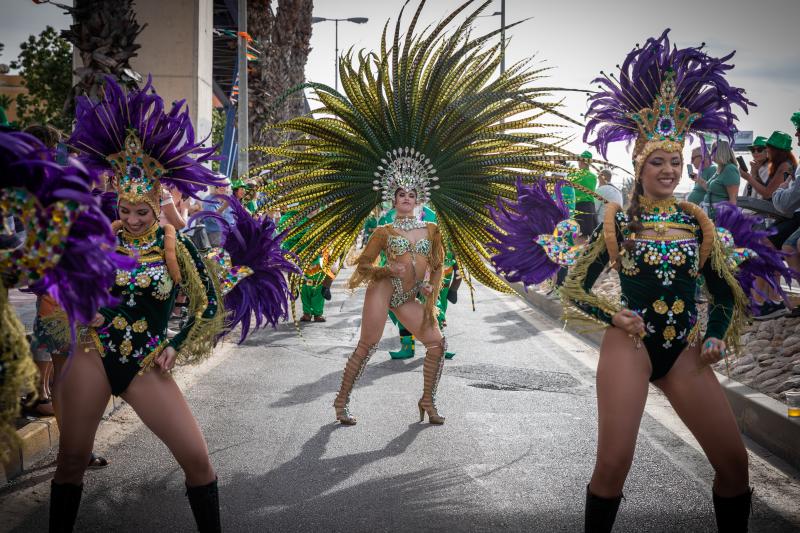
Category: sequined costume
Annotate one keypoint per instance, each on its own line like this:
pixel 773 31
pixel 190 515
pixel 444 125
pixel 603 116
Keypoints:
pixel 658 278
pixel 398 249
pixel 135 331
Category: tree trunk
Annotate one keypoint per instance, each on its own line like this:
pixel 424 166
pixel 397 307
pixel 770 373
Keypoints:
pixel 104 33
pixel 284 41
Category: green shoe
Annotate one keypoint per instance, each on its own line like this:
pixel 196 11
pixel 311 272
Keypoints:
pixel 406 349
pixel 449 355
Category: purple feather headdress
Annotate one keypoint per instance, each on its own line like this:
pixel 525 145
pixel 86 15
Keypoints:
pixel 662 95
pixel 69 252
pixel 254 244
pixel 131 136
pixel 756 258
pixel 519 257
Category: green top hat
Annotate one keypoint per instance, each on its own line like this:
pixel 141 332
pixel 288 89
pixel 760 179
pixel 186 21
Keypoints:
pixel 586 155
pixel 780 140
pixel 796 120
pixel 238 184
pixel 759 141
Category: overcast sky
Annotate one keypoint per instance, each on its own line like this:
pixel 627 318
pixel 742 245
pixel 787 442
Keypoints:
pixel 577 38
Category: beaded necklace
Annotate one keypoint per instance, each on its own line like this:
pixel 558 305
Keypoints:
pixel 408 223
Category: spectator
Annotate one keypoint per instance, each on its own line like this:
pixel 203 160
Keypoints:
pixel 781 162
pixel 759 182
pixel 608 191
pixel 584 202
pixel 209 203
pixel 724 184
pixel 706 169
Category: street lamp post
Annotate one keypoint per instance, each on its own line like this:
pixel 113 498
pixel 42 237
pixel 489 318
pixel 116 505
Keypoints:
pixel 502 15
pixel 357 20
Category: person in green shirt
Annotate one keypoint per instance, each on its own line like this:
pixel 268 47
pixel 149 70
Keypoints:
pixel 698 193
pixel 584 202
pixel 724 184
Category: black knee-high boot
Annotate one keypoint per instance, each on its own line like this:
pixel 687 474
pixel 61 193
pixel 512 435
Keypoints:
pixel 600 513
pixel 733 514
pixel 65 498
pixel 204 501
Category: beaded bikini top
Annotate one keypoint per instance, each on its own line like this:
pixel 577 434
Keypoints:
pixel 399 245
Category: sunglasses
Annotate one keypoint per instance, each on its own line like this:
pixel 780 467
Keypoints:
pixel 756 149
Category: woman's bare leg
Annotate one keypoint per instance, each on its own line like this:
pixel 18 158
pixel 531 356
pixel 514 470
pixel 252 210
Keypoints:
pixel 622 381
pixel 696 395
pixel 373 320
pixel 82 393
pixel 411 315
pixel 160 404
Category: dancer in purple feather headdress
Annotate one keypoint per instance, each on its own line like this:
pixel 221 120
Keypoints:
pixel 143 147
pixel 661 95
pixel 67 253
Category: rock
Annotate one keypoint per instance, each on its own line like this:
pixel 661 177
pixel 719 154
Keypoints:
pixel 779 363
pixel 768 374
pixel 791 383
pixel 796 369
pixel 792 340
pixel 763 357
pixel 757 346
pixel 764 335
pixel 745 360
pixel 770 385
pixel 742 369
pixel 789 351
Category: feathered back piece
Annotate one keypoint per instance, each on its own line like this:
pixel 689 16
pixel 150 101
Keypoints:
pixel 749 252
pixel 536 213
pixel 662 95
pixel 252 267
pixel 142 145
pixel 69 251
pixel 429 113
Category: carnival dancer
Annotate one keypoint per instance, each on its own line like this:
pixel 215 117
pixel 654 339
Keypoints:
pixel 424 121
pixel 125 350
pixel 67 254
pixel 660 247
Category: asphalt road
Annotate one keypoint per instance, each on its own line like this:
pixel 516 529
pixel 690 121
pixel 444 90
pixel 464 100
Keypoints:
pixel 515 453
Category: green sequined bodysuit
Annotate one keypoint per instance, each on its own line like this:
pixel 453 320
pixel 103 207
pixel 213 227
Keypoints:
pixel 135 331
pixel 658 278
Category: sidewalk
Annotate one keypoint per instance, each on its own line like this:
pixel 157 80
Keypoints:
pixel 760 417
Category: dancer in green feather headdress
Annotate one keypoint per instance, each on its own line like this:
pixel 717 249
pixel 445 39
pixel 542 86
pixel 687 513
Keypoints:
pixel 425 117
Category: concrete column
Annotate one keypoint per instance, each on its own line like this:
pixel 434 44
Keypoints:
pixel 177 51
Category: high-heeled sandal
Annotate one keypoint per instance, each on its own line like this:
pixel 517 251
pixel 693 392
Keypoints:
pixel 431 374
pixel 352 371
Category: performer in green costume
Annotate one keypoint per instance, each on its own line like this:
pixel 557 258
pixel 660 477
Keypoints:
pixel 316 280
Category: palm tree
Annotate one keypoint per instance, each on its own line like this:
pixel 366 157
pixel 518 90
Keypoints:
pixel 104 33
pixel 284 38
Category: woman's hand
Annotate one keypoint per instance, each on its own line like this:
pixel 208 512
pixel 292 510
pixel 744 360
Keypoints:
pixel 166 359
pixel 97 321
pixel 397 269
pixel 629 322
pixel 713 350
pixel 427 289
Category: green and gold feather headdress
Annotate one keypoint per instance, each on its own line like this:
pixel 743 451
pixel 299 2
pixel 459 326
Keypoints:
pixel 428 112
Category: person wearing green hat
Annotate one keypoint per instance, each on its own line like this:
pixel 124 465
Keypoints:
pixel 786 199
pixel 759 184
pixel 796 121
pixel 584 202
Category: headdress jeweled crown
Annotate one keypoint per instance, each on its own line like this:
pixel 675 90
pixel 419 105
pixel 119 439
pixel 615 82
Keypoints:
pixel 408 169
pixel 663 94
pixel 138 175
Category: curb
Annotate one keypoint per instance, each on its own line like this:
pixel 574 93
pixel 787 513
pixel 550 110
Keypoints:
pixel 35 440
pixel 760 417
